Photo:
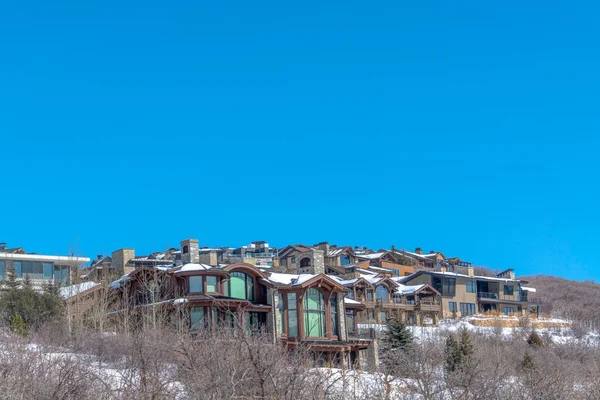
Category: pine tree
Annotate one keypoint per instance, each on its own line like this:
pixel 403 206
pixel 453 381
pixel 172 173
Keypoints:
pixel 452 354
pixel 465 345
pixel 18 326
pixel 398 335
pixel 527 365
pixel 458 353
pixel 11 282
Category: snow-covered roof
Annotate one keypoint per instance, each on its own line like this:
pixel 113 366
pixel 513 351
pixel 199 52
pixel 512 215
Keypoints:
pixel 73 290
pixel 289 279
pixel 350 301
pixel 191 267
pixel 408 289
pixel 528 289
pixel 119 282
pixel 372 256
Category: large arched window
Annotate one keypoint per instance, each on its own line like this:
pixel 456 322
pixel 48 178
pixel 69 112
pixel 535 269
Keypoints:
pixel 241 286
pixel 305 262
pixel 381 292
pixel 314 313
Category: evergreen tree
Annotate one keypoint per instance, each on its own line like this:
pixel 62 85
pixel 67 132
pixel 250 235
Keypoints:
pixel 527 365
pixel 17 325
pixel 452 354
pixel 11 282
pixel 464 344
pixel 398 336
pixel 458 353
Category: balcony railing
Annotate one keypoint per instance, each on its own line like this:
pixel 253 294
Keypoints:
pixel 502 296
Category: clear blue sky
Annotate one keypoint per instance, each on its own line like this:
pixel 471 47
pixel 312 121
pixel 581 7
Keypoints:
pixel 469 128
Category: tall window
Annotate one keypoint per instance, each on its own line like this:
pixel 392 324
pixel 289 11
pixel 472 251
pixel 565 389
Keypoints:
pixel 280 309
pixel 471 287
pixel 449 288
pixel 197 318
pixel 381 292
pixel 211 284
pixel 509 290
pixel 334 321
pixel 314 313
pixel 292 315
pixel 196 284
pixel 350 322
pixel 2 269
pixel 61 274
pixel 467 309
pixel 509 310
pixel 48 271
pixel 241 286
pixel 452 307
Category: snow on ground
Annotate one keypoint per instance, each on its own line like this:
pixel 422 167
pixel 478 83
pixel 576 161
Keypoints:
pixel 556 335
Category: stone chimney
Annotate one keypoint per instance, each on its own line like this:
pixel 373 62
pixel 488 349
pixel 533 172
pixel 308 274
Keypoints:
pixel 189 251
pixel 323 246
pixel 120 260
pixel 419 250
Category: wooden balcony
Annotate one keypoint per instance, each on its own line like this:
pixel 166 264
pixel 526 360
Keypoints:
pixel 395 303
pixel 429 305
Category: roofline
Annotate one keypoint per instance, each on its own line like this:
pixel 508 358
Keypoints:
pixel 41 257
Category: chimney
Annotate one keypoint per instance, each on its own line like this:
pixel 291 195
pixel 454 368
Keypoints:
pixel 189 251
pixel 100 257
pixel 419 250
pixel 431 252
pixel 325 247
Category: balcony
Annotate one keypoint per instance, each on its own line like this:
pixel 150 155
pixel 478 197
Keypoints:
pixel 429 305
pixel 499 297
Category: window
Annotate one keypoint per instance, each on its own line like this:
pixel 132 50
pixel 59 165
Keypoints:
pixel 449 288
pixel 197 318
pixel 383 317
pixel 350 322
pixel 314 313
pixel 2 269
pixel 196 284
pixel 241 286
pixel 381 292
pixel 47 271
pixel 452 307
pixel 471 287
pixel 292 314
pixel 350 295
pixel 61 274
pixel 33 269
pixel 280 309
pixel 509 290
pixel 293 260
pixel 186 249
pixel 508 310
pixel 211 284
pixel 305 262
pixel 369 295
pixel 252 322
pixel 344 259
pixel 467 309
pixel 333 305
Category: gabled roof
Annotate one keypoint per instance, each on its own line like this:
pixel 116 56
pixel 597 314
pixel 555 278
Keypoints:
pixel 454 274
pixel 336 251
pixel 301 248
pixel 301 280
